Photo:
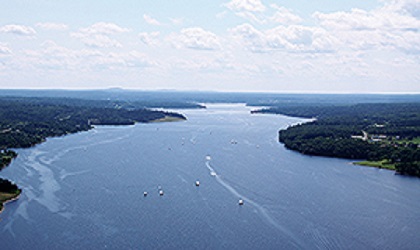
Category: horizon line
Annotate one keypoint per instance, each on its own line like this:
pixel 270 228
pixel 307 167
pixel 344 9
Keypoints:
pixel 213 91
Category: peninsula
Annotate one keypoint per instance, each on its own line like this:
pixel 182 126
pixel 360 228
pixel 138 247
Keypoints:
pixel 384 135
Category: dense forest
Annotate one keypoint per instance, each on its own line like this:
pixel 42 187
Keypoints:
pixel 25 122
pixel 386 132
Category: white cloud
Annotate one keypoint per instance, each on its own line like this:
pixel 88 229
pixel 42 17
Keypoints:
pixel 221 15
pixel 293 38
pixel 196 38
pixel 151 20
pixel 151 38
pixel 275 14
pixel 298 38
pixel 52 26
pixel 99 35
pixel 135 59
pixel 104 29
pixel 177 21
pixel 410 7
pixel 395 15
pixel 260 19
pixel 209 63
pixel 4 50
pixel 246 5
pixel 54 57
pixel 395 25
pixel 97 40
pixel 250 37
pixel 18 30
pixel 284 15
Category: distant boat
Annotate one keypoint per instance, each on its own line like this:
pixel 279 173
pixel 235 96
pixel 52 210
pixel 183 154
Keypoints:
pixel 160 192
pixel 144 193
pixel 197 183
pixel 241 202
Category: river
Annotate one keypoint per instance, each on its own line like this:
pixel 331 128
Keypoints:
pixel 85 191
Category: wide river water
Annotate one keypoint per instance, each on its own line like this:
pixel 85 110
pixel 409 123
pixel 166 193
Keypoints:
pixel 85 191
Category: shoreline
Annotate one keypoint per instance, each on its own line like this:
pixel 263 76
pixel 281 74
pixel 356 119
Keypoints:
pixel 12 199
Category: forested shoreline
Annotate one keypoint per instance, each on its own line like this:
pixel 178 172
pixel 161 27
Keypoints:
pixel 25 122
pixel 387 133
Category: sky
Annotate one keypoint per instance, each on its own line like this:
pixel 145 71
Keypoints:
pixel 285 46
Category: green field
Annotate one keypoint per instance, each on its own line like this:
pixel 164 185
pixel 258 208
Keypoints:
pixel 377 164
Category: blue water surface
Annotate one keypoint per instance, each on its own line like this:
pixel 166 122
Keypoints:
pixel 85 191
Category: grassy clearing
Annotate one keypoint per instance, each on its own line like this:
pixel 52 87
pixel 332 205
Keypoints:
pixel 392 140
pixel 7 197
pixel 414 140
pixel 167 119
pixel 377 164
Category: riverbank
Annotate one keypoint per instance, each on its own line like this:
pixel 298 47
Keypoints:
pixel 8 197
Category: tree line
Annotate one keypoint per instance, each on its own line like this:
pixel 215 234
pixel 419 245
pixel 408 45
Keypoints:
pixel 26 122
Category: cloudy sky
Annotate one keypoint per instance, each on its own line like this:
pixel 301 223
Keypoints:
pixel 359 46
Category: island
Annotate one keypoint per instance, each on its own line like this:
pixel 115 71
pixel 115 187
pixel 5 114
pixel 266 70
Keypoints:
pixel 27 121
pixel 383 135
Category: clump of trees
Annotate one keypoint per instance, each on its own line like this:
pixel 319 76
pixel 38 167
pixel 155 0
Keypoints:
pixel 7 186
pixel 6 157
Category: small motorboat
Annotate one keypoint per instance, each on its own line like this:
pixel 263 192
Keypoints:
pixel 160 192
pixel 197 183
pixel 145 193
pixel 241 202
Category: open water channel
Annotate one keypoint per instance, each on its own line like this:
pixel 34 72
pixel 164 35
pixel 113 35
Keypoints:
pixel 85 191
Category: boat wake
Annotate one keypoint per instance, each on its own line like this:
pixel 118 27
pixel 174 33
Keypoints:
pixel 209 167
pixel 262 211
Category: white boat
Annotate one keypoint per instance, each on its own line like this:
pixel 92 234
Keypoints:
pixel 197 183
pixel 145 193
pixel 241 202
pixel 160 192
